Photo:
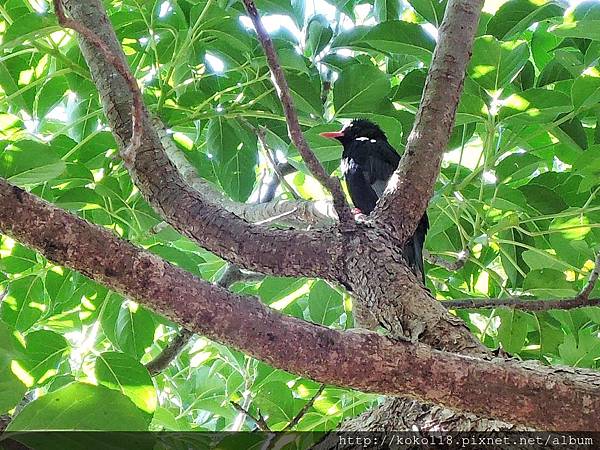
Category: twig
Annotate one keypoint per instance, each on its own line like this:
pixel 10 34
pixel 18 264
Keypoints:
pixel 580 301
pixel 331 183
pixel 304 410
pixel 521 303
pixel 282 170
pixel 120 66
pixel 260 132
pixel 262 138
pixel 451 266
pixel 325 91
pixel 169 353
pixel 233 274
pixel 260 421
pixel 4 421
pixel 591 283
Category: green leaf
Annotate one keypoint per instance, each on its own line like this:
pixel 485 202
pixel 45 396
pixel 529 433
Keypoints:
pixel 28 27
pixel 431 10
pixel 588 163
pixel 410 88
pixel 9 81
pixel 325 149
pixel 386 10
pixel 50 94
pixel 305 92
pixel 18 260
pixel 552 72
pixel 515 16
pixel 572 134
pixel 134 330
pixel 80 198
pixel 44 350
pixel 513 329
pixel 275 399
pixel 358 89
pixel 318 33
pixel 571 59
pixel 572 228
pixel 471 108
pixel 548 283
pixel 123 373
pixel 80 406
pixel 542 44
pixel 495 64
pixel 28 163
pixel 24 302
pixel 534 105
pixel 324 304
pixel 233 154
pixel 537 260
pixel 11 386
pixel 581 352
pixel 585 29
pixel 517 166
pixel 545 200
pixel 391 37
pixel 585 92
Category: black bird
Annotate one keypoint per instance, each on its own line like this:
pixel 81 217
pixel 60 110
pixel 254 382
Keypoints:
pixel 368 162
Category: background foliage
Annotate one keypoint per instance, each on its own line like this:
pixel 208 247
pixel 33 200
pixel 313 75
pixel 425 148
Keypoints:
pixel 518 188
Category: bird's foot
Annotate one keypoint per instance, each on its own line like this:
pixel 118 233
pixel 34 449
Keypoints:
pixel 359 216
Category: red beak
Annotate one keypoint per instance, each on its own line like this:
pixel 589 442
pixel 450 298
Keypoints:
pixel 332 134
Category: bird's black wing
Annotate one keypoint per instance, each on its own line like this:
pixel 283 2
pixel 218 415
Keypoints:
pixel 361 192
pixel 381 163
pixel 367 166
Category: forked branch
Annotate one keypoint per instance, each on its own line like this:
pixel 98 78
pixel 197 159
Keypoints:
pixel 316 168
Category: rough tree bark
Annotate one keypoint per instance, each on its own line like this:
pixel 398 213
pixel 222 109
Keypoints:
pixel 365 259
pixel 526 393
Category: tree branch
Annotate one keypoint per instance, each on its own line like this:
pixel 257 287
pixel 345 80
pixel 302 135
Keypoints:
pixel 257 248
pixel 294 213
pixel 525 393
pixel 582 300
pixel 584 294
pixel 521 303
pixel 169 353
pixel 260 421
pixel 296 420
pixel 411 186
pixel 138 110
pixel 316 168
pixel 452 266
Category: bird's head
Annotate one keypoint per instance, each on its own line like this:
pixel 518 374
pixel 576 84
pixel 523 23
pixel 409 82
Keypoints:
pixel 359 130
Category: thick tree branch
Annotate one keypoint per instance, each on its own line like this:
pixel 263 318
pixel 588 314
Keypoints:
pixel 411 187
pixel 331 183
pixel 257 248
pixel 523 393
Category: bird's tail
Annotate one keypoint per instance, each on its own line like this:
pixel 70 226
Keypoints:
pixel 413 250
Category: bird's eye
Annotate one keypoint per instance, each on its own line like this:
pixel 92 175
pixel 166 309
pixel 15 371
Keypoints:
pixel 362 138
